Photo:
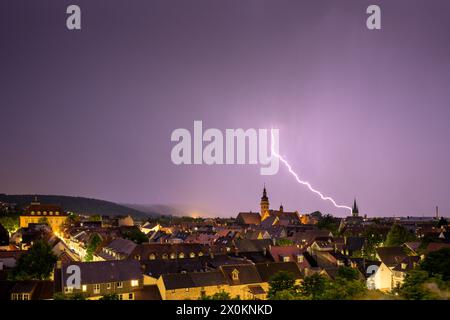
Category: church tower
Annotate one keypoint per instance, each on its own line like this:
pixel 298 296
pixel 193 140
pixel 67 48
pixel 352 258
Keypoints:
pixel 264 203
pixel 355 210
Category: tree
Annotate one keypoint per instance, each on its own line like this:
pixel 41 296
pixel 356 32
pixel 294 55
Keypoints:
pixel 282 280
pixel 135 235
pixel 222 295
pixel 285 295
pixel 442 222
pixel 95 217
pixel 398 235
pixel 328 222
pixel 94 242
pixel 343 289
pixel 284 242
pixel 437 263
pixel 414 286
pixel 36 264
pixel 10 223
pixel 312 286
pixel 374 238
pixel 347 273
pixel 112 296
pixel 346 285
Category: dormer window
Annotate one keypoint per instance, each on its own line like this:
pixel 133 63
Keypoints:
pixel 181 255
pixel 235 275
pixel 404 266
pixel 165 256
pixel 200 254
pixel 137 257
pixel 286 259
pixel 152 256
pixel 300 258
pixel 173 256
pixel 192 255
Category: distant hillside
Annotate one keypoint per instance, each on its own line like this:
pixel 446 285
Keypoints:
pixel 159 209
pixel 79 205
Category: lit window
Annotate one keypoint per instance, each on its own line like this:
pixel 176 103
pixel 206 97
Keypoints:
pixel 84 288
pixel 68 289
pixel 137 257
pixel 200 254
pixel 108 286
pixel 96 288
pixel 165 256
pixel 134 283
pixel 285 259
pixel 119 285
pixel 173 256
pixel 26 296
pixel 235 274
pixel 192 255
pixel 120 296
pixel 152 256
pixel 181 255
pixel 130 296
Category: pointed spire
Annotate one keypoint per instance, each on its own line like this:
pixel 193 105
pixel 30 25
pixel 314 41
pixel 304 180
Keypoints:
pixel 355 210
pixel 264 196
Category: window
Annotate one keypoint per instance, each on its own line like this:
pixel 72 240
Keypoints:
pixel 68 289
pixel 119 285
pixel 152 256
pixel 120 296
pixel 235 274
pixel 130 296
pixel 285 259
pixel 84 288
pixel 173 256
pixel 108 286
pixel 165 256
pixel 26 296
pixel 134 283
pixel 96 288
pixel 187 289
pixel 200 254
pixel 137 257
pixel 181 255
pixel 192 255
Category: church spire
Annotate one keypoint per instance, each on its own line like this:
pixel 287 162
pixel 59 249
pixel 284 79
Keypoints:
pixel 355 210
pixel 264 196
pixel 264 203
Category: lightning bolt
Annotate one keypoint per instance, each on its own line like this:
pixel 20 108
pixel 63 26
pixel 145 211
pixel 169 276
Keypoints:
pixel 305 183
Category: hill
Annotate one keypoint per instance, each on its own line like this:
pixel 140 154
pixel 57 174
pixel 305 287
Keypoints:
pixel 79 205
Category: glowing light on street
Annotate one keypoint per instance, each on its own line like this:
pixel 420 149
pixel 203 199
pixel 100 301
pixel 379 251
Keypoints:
pixel 305 183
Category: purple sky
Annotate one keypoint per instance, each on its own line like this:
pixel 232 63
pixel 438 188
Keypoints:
pixel 361 113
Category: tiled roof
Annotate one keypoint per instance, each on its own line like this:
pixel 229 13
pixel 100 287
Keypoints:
pixel 268 270
pixel 249 217
pixel 106 271
pixel 246 274
pixel 391 256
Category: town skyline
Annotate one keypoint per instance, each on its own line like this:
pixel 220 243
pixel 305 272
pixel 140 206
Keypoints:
pixel 188 211
pixel 361 113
